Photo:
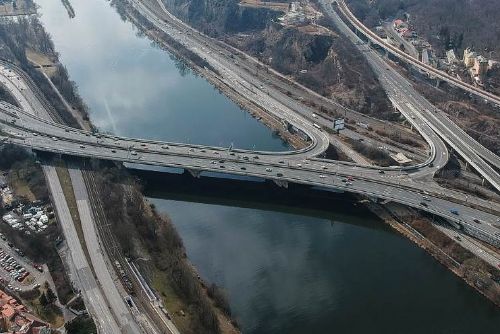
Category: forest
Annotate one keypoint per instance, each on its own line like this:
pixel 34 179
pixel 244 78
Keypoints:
pixel 446 24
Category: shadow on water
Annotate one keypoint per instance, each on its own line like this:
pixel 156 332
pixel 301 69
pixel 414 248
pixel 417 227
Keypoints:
pixel 253 193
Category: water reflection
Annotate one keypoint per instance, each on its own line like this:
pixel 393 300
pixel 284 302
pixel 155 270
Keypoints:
pixel 285 272
pixel 135 89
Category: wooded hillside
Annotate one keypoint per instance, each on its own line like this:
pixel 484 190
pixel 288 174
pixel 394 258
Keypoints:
pixel 445 23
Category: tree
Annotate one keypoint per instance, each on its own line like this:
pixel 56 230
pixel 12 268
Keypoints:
pixel 51 297
pixel 43 300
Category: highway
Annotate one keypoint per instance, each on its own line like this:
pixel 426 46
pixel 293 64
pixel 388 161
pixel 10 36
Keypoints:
pixel 403 95
pixel 281 168
pixel 415 62
pixel 95 296
pixel 436 115
pixel 117 303
pixel 30 127
pixel 91 293
pixel 399 184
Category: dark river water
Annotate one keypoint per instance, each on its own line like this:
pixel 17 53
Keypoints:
pixel 286 270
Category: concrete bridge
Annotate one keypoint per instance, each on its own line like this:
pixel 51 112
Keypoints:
pixel 23 129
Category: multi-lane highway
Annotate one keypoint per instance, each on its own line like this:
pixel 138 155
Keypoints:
pixel 105 305
pixel 407 58
pixel 29 131
pixel 418 109
pixel 300 166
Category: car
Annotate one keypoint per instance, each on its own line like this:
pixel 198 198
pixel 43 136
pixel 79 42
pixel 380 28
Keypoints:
pixel 256 157
pixel 324 167
pixel 213 162
pixel 113 151
pixel 281 162
pixel 221 161
pixel 268 169
pixel 299 165
pixel 243 168
pixel 322 176
pixel 423 204
pixel 427 199
pixel 477 221
pixel 165 147
pixel 381 172
pixel 279 174
pixel 133 153
pixel 455 212
pixel 344 180
pixel 222 166
pixel 10 244
pixel 82 146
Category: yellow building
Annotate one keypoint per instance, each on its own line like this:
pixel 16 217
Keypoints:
pixel 469 57
pixel 480 66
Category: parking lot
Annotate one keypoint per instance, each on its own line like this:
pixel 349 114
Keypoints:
pixel 16 272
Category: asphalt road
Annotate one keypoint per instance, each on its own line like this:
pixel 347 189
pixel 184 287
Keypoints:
pixel 94 298
pixel 113 297
pixel 92 295
pixel 417 109
pixel 400 54
pixel 395 187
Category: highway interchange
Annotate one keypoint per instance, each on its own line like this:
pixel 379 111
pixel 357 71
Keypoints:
pixel 31 126
pixel 115 318
pixel 407 58
pixel 300 167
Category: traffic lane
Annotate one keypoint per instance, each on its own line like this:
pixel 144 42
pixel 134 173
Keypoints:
pixel 41 143
pixel 126 155
pixel 42 131
pixel 83 274
pixel 398 193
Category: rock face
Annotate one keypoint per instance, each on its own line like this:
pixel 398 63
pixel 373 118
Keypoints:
pixel 445 23
pixel 318 58
pixel 216 17
pixel 325 63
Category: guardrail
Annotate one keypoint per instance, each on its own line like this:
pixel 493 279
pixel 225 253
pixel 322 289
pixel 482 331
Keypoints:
pixel 400 54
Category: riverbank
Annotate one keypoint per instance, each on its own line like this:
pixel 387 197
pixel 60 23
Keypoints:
pixel 60 92
pixel 197 64
pixel 477 273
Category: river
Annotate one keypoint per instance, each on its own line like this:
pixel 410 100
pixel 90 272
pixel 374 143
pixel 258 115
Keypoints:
pixel 286 270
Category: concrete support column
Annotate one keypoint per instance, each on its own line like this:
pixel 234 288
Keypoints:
pixel 194 172
pixel 281 183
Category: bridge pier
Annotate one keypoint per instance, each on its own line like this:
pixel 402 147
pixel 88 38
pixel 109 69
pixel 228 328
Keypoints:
pixel 194 172
pixel 281 183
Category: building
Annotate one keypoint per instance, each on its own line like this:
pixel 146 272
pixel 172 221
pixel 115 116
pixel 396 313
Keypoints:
pixel 480 66
pixel 451 57
pixel 15 319
pixel 469 57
